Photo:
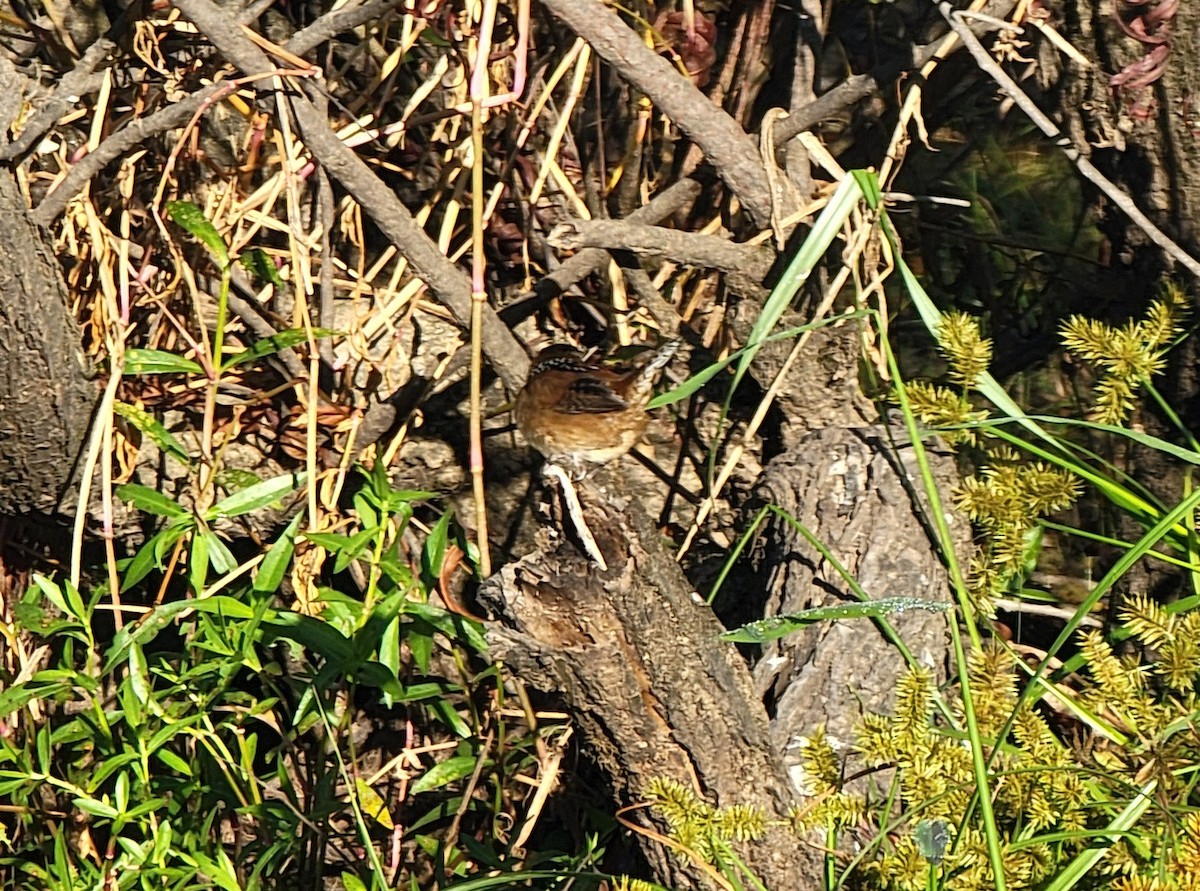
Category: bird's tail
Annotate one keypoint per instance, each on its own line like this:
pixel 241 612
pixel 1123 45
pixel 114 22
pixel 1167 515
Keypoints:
pixel 658 360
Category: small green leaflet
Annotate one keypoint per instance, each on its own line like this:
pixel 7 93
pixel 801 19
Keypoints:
pixel 778 626
pixel 273 344
pixel 150 500
pixel 932 837
pixel 150 426
pixel 258 263
pixel 192 218
pixel 275 563
pixel 455 768
pixel 256 496
pixel 139 361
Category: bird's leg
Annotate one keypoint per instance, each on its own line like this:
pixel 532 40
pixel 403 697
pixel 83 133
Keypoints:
pixel 575 511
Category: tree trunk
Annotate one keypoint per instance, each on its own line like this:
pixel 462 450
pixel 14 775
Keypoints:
pixel 46 396
pixel 656 694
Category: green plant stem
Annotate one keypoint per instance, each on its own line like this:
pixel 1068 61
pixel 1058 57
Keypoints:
pixel 377 870
pixel 979 761
pixel 1172 415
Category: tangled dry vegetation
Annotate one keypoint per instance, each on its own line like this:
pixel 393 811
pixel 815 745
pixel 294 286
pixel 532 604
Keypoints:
pixel 302 238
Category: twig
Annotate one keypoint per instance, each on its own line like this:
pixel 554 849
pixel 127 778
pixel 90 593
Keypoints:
pixel 689 248
pixel 326 211
pixel 589 260
pixel 83 79
pixel 860 86
pixel 335 22
pixel 989 65
pixel 119 144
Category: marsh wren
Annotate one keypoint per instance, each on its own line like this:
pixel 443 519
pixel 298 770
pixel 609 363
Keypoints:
pixel 575 411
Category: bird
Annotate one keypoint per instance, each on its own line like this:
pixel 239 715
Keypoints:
pixel 578 412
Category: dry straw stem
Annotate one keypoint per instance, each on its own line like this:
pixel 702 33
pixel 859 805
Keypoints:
pixel 912 104
pixel 989 65
pixel 447 283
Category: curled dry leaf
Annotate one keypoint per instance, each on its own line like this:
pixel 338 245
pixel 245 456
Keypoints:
pixel 1149 25
pixel 1144 71
pixel 696 47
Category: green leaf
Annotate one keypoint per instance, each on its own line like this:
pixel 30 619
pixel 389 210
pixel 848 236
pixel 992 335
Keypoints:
pixel 97 808
pixel 148 626
pixel 351 882
pixel 314 635
pixel 389 646
pixel 221 871
pixel 142 361
pixel 259 495
pixel 347 548
pixel 330 541
pixel 810 253
pixel 51 591
pixel 219 556
pixel 372 804
pixel 192 218
pixel 419 636
pixel 20 695
pixel 258 263
pixel 234 479
pixel 174 762
pixel 778 626
pixel 139 676
pixel 452 625
pixel 932 837
pixel 451 718
pixel 434 551
pixel 428 690
pixel 106 768
pixel 150 500
pixel 275 562
pixel 448 771
pixel 198 562
pixel 150 426
pixel 149 556
pixel 273 344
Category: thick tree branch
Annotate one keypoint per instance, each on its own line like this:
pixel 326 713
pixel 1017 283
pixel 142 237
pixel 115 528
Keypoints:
pixel 750 264
pixel 656 693
pixel 733 154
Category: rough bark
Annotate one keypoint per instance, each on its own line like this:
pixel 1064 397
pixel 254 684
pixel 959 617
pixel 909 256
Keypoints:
pixel 635 653
pixel 842 477
pixel 46 397
pixel 846 486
